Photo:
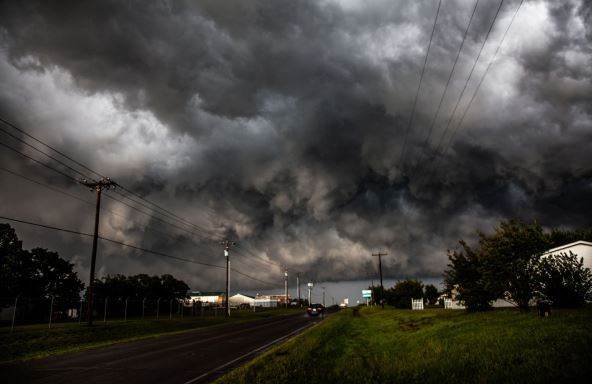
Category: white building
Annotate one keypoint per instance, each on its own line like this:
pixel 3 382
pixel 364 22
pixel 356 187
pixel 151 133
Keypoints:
pixel 583 249
pixel 240 299
pixel 266 301
pixel 207 298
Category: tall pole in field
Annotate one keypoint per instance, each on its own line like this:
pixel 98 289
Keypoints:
pixel 379 255
pixel 298 288
pixel 310 285
pixel 96 186
pixel 227 244
pixel 286 286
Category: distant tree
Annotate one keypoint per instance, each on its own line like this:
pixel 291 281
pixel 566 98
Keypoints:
pixel 401 294
pixel 36 274
pixel 431 294
pixel 466 278
pixel 564 281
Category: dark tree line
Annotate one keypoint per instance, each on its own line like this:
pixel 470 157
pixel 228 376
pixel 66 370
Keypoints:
pixel 509 265
pixel 37 273
pixel 141 286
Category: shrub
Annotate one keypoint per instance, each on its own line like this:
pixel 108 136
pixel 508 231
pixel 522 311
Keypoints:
pixel 564 281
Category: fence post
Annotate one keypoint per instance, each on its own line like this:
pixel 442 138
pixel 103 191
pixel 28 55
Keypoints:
pixel 216 311
pixel 105 310
pixel 201 309
pixel 157 307
pixel 171 309
pixel 80 312
pixel 125 310
pixel 14 314
pixel 143 305
pixel 182 308
pixel 50 311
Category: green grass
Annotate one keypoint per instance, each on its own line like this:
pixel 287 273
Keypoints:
pixel 432 346
pixel 35 341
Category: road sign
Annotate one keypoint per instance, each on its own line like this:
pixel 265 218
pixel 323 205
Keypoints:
pixel 366 294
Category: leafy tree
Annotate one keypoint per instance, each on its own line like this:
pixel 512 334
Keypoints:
pixel 431 294
pixel 38 273
pixel 401 294
pixel 510 259
pixel 466 278
pixel 564 280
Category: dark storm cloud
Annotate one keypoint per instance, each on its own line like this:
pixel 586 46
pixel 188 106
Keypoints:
pixel 281 123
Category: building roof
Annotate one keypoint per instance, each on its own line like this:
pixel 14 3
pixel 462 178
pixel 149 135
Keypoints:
pixel 212 293
pixel 567 246
pixel 242 294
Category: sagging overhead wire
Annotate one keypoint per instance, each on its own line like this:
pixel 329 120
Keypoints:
pixel 426 141
pixel 425 61
pixel 137 248
pixel 157 209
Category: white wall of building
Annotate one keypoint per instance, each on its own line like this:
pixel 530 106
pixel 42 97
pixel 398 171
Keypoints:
pixel 583 249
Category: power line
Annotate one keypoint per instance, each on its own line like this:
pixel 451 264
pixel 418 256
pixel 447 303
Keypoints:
pixel 112 198
pixel 159 209
pixel 425 61
pixel 470 75
pixel 48 146
pixel 106 195
pixel 491 61
pixel 153 206
pixel 433 123
pixel 38 162
pixel 162 254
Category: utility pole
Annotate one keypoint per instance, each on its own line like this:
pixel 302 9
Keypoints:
pixel 379 255
pixel 310 285
pixel 286 286
pixel 96 186
pixel 323 296
pixel 298 288
pixel 227 244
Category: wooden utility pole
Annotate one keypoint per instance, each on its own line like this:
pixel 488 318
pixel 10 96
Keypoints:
pixel 379 255
pixel 227 244
pixel 96 186
pixel 298 288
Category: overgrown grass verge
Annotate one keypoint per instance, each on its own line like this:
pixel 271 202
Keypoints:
pixel 35 341
pixel 432 346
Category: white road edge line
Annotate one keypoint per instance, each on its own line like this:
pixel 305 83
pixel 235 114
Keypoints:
pixel 247 354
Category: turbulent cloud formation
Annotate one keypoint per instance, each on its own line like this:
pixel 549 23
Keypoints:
pixel 281 124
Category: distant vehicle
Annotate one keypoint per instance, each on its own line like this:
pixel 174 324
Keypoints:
pixel 315 309
pixel 294 303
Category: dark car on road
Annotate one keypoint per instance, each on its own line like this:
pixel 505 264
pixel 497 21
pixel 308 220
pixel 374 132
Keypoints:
pixel 315 310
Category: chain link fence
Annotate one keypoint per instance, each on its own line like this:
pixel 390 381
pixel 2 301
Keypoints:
pixel 19 310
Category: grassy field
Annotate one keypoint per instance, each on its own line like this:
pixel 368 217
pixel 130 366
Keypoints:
pixel 432 346
pixel 33 341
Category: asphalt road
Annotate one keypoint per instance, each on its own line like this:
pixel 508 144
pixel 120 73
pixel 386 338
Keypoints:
pixel 192 357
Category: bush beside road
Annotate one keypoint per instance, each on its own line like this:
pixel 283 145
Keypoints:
pixel 35 341
pixel 432 346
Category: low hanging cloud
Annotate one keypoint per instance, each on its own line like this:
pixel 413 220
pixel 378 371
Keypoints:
pixel 281 124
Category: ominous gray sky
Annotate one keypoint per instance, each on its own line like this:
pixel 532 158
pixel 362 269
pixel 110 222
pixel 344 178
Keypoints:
pixel 281 124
